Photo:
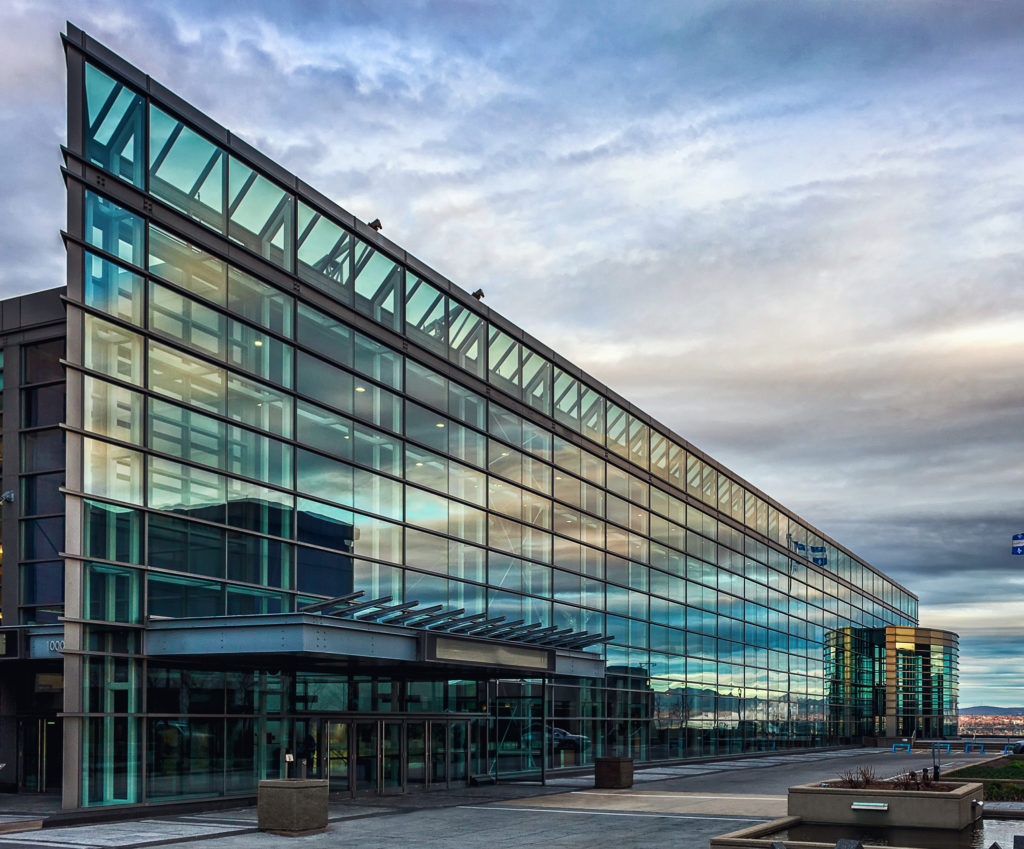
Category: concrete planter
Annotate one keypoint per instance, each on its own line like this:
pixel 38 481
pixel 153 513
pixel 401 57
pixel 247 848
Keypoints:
pixel 953 809
pixel 292 806
pixel 613 773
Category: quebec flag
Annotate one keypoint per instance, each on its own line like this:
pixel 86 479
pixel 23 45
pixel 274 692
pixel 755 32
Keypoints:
pixel 1018 544
pixel 819 557
pixel 799 547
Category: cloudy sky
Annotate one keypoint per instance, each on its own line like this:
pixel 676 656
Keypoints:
pixel 791 231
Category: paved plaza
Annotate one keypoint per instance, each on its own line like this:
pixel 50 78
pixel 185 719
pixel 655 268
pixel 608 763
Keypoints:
pixel 683 805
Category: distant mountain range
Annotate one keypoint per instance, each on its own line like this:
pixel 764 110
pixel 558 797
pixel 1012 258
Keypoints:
pixel 989 710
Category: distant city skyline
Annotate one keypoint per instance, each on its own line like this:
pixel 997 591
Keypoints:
pixel 791 232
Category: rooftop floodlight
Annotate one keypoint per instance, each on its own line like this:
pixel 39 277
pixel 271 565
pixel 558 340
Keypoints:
pixel 376 225
pixel 478 294
pixel 7 497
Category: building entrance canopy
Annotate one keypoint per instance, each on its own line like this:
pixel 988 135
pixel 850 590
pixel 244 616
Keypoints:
pixel 315 637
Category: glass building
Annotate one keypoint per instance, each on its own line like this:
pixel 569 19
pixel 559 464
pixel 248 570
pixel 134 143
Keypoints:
pixel 280 499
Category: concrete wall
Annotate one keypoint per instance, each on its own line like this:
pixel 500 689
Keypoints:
pixel 907 808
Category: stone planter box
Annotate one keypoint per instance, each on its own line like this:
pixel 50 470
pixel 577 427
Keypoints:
pixel 954 809
pixel 292 806
pixel 613 773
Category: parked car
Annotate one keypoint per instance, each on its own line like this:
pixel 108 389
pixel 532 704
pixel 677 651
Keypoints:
pixel 558 738
pixel 1018 747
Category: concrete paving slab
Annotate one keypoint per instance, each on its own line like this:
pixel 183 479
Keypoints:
pixel 728 804
pixel 119 835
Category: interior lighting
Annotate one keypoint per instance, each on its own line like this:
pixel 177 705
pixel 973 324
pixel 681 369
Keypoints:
pixel 258 343
pixel 360 389
pixel 439 424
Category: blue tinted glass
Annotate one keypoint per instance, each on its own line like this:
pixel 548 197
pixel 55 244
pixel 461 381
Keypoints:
pixel 115 126
pixel 114 230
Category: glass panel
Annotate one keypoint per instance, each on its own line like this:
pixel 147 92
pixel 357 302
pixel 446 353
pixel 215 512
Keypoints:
pixel 111 471
pixel 258 405
pixel 325 335
pixel 114 230
pixel 186 489
pixel 258 560
pixel 326 478
pixel 179 597
pixel 366 756
pixel 466 334
pixel 592 413
pixel 617 437
pixel 324 430
pixel 112 593
pixel 182 546
pixel 255 300
pixel 42 539
pixel 537 381
pixel 567 400
pixel 391 757
pixel 258 508
pixel 337 756
pixel 115 126
pixel 425 315
pixel 176 261
pixel 112 532
pixel 260 214
pixel 378 284
pixel 41 494
pixel 112 350
pixel 378 361
pixel 503 355
pixel 187 379
pixel 260 353
pixel 325 254
pixel 416 747
pixel 43 406
pixel 112 289
pixel 187 322
pixel 325 383
pixel 186 170
pixel 186 434
pixel 111 410
pixel 439 753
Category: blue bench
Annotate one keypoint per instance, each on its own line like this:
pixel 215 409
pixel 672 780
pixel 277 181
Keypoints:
pixel 1008 749
pixel 901 747
pixel 937 747
pixel 974 747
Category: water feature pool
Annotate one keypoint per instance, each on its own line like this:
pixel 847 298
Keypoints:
pixel 980 835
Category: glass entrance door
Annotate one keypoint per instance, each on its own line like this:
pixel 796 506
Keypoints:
pixel 336 757
pixel 393 755
pixel 367 757
pixel 40 747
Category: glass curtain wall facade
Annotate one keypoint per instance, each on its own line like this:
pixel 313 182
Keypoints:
pixel 270 404
pixel 895 681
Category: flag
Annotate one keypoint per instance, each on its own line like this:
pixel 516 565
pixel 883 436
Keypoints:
pixel 819 557
pixel 1018 544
